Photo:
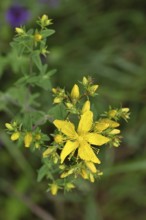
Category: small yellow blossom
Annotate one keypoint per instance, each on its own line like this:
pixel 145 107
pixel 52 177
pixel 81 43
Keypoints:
pixel 54 189
pixel 58 138
pixel 28 139
pixel 15 136
pixel 82 139
pixel 86 107
pixel 75 93
pixel 9 126
pixel 38 37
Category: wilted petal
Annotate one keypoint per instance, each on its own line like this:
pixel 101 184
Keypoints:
pixel 68 148
pixel 66 127
pixel 85 122
pixel 96 139
pixel 86 153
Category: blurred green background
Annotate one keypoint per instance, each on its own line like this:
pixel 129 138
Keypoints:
pixel 107 40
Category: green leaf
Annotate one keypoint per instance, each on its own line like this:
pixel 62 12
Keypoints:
pixel 37 60
pixel 58 111
pixel 47 33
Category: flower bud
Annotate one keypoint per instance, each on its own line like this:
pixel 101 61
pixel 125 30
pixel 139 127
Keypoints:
pixel 9 126
pixel 75 93
pixel 58 138
pixel 115 131
pixel 15 136
pixel 38 37
pixel 93 89
pixel 112 113
pixel 54 189
pixel 19 31
pixel 28 139
pixel 85 81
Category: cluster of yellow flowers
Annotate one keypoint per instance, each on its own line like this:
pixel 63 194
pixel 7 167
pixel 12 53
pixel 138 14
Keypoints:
pixel 77 140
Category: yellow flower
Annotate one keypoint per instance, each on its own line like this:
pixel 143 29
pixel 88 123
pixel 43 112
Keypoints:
pixel 28 139
pixel 86 107
pixel 15 136
pixel 82 139
pixel 75 93
pixel 54 189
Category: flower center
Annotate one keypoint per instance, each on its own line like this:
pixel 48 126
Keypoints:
pixel 80 138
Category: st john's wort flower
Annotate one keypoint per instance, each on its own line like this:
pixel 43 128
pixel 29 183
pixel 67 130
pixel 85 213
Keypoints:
pixel 82 139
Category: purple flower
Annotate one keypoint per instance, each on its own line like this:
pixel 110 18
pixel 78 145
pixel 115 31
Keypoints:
pixel 52 3
pixel 17 15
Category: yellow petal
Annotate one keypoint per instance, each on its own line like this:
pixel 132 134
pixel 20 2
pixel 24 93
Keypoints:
pixel 66 127
pixel 101 126
pixel 68 148
pixel 112 124
pixel 96 139
pixel 85 122
pixel 86 107
pixel 86 153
